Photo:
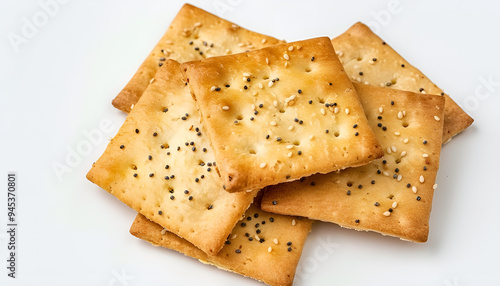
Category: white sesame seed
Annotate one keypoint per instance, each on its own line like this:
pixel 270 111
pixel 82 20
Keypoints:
pixel 212 88
pixel 437 118
pixel 244 79
pixel 264 41
pixel 263 165
pixel 168 42
pixel 290 127
pixel 152 80
pixel 435 186
pixel 292 97
pixel 367 82
pixel 228 51
pixel 400 115
pixel 132 106
pixel 323 111
pixel 299 47
pixel 347 111
pixel 163 231
pixel 225 107
pixel 387 213
pixel 371 62
pixel 389 150
pixel 234 236
pixel 260 85
pixel 267 61
pixel 393 148
pixel 253 106
pixel 381 109
pixel 406 140
pixel 414 189
pixel 397 133
pixel 423 91
pixel 386 173
pixel 289 154
pixel 339 53
pixel 404 113
pixel 399 178
pixel 336 110
pixel 311 137
pixel 197 24
pixel 249 191
pixel 422 180
pixel 425 155
pixel 275 241
pixel 257 237
pixel 269 249
pixel 275 103
pixel 247 75
pixel 403 153
pixel 286 57
pixel 240 44
pixel 294 222
pixel 290 48
pixel 270 83
pixel 289 146
pixel 272 123
pixel 286 64
pixel 394 205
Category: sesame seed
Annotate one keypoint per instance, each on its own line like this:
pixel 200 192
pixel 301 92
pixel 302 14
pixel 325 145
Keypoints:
pixel 238 251
pixel 422 180
pixel 347 111
pixel 386 173
pixel 212 88
pixel 403 153
pixel 437 118
pixel 323 111
pixel 389 150
pixel 263 165
pixel 289 146
pixel 419 198
pixel 275 241
pixel 397 133
pixel 406 140
pixel 289 249
pixel 225 107
pixel 399 178
pixel 425 155
pixel 376 204
pixel 393 148
pixel 387 213
pixel 286 57
pixel 312 59
pixel 400 115
pixel 272 123
pixel 434 186
pixel 267 61
pixel 414 189
pixel 294 222
pixel 289 154
pixel 381 109
pixel 270 83
pixel 269 249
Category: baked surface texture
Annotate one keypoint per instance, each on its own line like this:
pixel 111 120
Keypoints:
pixel 161 164
pixel 370 60
pixel 391 195
pixel 281 113
pixel 193 34
pixel 269 245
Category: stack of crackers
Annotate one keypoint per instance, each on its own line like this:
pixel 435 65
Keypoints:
pixel 235 142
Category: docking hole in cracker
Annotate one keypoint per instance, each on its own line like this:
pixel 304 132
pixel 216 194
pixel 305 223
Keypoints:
pixel 161 164
pixel 281 113
pixel 193 34
pixel 391 195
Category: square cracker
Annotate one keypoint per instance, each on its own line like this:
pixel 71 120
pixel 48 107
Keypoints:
pixel 391 195
pixel 193 34
pixel 271 261
pixel 161 164
pixel 357 48
pixel 275 114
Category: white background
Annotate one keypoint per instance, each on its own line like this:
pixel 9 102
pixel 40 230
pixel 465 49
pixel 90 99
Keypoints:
pixel 60 83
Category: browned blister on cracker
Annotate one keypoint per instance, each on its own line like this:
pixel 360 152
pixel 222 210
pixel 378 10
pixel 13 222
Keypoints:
pixel 370 60
pixel 193 34
pixel 281 113
pixel 161 164
pixel 391 195
pixel 263 246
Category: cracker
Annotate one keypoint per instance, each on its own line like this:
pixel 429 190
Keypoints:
pixel 391 195
pixel 275 114
pixel 193 34
pixel 161 164
pixel 359 46
pixel 271 261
